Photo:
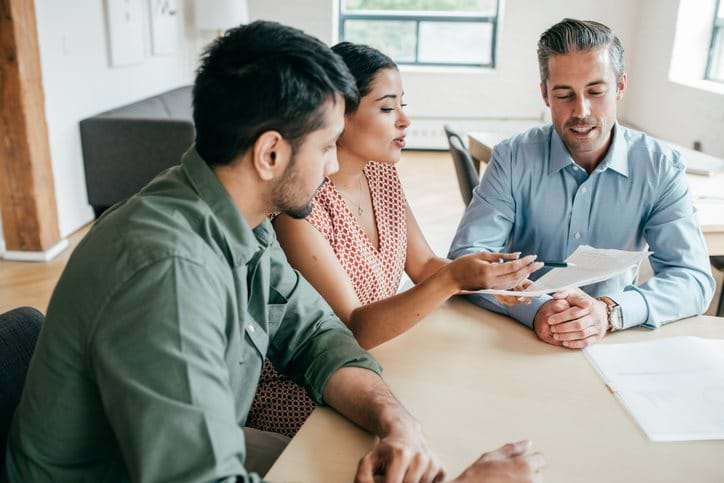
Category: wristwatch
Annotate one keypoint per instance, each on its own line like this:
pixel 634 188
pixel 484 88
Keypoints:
pixel 615 314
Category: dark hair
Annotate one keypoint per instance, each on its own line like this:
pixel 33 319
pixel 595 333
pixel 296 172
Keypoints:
pixel 259 77
pixel 363 62
pixel 570 35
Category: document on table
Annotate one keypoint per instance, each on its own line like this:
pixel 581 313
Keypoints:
pixel 593 265
pixel 673 388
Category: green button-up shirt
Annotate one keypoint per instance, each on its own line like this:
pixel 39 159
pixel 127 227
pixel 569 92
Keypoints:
pixel 151 351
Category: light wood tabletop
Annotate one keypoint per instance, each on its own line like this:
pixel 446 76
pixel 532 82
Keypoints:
pixel 707 191
pixel 476 380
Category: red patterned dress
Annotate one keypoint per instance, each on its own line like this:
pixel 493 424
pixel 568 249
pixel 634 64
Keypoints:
pixel 280 405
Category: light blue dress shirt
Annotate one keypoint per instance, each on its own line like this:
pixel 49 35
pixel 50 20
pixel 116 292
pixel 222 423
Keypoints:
pixel 534 199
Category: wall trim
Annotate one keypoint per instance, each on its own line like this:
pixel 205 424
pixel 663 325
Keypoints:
pixel 45 256
pixel 427 133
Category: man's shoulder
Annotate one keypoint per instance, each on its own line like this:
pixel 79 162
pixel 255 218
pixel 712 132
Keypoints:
pixel 141 233
pixel 536 136
pixel 527 150
pixel 151 227
pixel 650 153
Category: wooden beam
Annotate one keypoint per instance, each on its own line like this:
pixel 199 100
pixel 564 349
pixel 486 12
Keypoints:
pixel 27 193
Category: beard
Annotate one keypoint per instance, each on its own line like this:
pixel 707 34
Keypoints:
pixel 299 213
pixel 288 196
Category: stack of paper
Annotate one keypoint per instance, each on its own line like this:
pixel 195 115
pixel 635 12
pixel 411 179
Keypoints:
pixel 593 265
pixel 674 388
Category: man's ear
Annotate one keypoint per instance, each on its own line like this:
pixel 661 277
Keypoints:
pixel 544 93
pixel 621 86
pixel 270 155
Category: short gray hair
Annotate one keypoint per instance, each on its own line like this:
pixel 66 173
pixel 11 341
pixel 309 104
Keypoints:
pixel 571 35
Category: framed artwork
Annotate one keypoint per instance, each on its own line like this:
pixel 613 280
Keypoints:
pixel 124 21
pixel 164 26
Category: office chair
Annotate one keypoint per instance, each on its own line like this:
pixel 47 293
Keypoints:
pixel 718 263
pixel 19 330
pixel 467 174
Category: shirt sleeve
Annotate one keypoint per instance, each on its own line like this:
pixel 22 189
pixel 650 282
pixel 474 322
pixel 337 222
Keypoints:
pixel 157 355
pixel 487 226
pixel 682 285
pixel 311 342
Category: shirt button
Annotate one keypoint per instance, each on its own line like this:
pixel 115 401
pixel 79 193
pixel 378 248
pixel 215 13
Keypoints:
pixel 577 235
pixel 584 190
pixel 251 328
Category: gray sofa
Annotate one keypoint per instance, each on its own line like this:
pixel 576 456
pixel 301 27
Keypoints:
pixel 124 148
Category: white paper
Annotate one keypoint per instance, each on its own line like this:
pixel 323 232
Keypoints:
pixel 593 265
pixel 673 388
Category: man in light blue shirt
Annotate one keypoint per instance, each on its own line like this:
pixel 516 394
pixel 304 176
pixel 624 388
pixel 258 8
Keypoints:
pixel 587 180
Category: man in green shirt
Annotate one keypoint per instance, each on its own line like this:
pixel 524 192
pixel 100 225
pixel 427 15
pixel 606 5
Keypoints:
pixel 155 335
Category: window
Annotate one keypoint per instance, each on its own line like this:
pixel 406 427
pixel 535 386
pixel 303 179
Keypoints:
pixel 424 32
pixel 715 65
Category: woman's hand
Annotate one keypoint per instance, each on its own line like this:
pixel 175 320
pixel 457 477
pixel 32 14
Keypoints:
pixel 499 271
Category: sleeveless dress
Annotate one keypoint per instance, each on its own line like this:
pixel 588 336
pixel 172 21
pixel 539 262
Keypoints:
pixel 280 405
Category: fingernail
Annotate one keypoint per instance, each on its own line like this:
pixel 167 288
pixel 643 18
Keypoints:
pixel 525 444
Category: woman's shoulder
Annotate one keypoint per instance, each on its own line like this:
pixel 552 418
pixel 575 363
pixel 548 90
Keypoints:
pixel 382 170
pixel 385 182
pixel 322 209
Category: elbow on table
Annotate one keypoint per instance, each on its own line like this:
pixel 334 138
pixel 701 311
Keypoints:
pixel 707 290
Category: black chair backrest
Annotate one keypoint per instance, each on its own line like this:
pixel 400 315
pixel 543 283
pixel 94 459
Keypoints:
pixel 464 167
pixel 718 263
pixel 19 330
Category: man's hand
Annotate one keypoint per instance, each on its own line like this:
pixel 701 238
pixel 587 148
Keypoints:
pixel 583 324
pixel 401 456
pixel 516 299
pixel 546 311
pixel 510 464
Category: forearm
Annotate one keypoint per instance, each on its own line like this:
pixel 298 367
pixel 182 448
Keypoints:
pixel 430 268
pixel 363 397
pixel 666 297
pixel 383 320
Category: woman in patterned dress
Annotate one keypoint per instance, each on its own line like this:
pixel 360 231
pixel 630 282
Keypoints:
pixel 361 235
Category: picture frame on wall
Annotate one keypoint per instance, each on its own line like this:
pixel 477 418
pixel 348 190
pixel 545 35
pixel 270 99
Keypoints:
pixel 164 16
pixel 125 27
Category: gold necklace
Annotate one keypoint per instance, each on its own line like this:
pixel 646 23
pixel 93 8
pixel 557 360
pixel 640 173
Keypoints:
pixel 359 198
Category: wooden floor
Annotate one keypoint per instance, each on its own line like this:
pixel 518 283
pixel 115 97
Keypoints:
pixel 30 283
pixel 429 182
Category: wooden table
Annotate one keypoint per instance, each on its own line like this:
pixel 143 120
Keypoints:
pixel 476 380
pixel 710 212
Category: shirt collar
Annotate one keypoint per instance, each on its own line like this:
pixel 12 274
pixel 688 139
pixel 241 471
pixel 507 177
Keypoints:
pixel 616 158
pixel 243 242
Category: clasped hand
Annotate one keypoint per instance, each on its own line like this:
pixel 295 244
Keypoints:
pixel 573 319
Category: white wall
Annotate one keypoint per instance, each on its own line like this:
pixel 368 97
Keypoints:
pixel 315 17
pixel 509 91
pixel 78 83
pixel 671 110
